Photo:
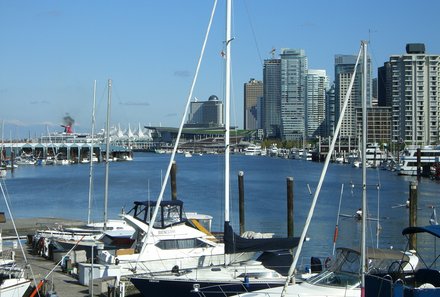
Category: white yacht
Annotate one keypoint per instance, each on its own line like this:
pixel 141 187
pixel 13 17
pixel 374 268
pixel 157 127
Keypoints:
pixel 253 150
pixel 408 160
pixel 177 241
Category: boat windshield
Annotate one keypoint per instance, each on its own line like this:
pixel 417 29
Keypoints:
pixel 345 270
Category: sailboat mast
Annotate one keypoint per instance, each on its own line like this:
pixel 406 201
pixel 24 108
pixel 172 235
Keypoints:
pixel 364 167
pixel 227 103
pixel 92 135
pixel 107 152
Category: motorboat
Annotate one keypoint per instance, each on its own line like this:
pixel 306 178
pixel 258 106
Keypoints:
pixel 429 155
pixel 253 150
pixel 176 241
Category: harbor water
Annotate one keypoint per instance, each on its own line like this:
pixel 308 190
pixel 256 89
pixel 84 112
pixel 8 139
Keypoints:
pixel 63 192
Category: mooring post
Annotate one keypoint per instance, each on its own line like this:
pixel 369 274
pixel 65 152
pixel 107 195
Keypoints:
pixel 12 159
pixel 419 164
pixel 413 213
pixel 290 207
pixel 241 200
pixel 173 181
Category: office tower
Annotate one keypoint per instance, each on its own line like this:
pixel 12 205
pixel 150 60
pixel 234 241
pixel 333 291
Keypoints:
pixel 205 114
pixel 316 88
pixel 384 85
pixel 330 124
pixel 293 77
pixel 271 98
pixel 415 96
pixel 253 90
pixel 344 69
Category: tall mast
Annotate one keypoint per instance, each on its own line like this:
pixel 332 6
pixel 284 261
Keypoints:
pixel 92 135
pixel 227 103
pixel 364 169
pixel 107 152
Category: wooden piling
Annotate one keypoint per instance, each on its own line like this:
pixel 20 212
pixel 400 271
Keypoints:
pixel 173 181
pixel 241 201
pixel 12 160
pixel 413 213
pixel 290 206
pixel 419 164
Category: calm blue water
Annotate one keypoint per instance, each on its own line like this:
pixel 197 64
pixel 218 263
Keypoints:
pixel 62 191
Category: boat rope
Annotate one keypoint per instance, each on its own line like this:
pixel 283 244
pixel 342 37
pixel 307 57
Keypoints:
pixel 321 180
pixel 176 144
pixel 4 191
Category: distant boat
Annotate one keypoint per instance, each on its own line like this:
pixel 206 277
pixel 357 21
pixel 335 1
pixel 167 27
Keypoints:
pixel 253 150
pixel 408 160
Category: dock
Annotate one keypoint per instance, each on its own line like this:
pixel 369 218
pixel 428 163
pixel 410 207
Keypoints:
pixel 60 280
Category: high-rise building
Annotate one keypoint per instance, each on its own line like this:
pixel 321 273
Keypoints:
pixel 293 79
pixel 205 114
pixel 384 85
pixel 330 124
pixel 344 69
pixel 271 103
pixel 316 88
pixel 415 96
pixel 253 91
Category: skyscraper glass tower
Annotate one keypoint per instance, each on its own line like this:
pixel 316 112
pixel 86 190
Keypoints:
pixel 293 78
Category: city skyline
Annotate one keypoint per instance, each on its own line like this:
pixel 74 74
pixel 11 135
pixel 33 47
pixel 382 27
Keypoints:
pixel 53 51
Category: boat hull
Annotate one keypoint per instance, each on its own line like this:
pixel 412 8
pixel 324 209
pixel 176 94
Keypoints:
pixel 191 288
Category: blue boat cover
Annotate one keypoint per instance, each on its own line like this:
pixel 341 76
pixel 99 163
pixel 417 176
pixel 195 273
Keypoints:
pixel 431 229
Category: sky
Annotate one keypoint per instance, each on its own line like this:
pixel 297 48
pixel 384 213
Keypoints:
pixel 51 52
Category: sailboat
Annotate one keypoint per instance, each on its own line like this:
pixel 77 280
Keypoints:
pixel 13 281
pixel 228 276
pixel 345 276
pixel 168 239
pixel 87 235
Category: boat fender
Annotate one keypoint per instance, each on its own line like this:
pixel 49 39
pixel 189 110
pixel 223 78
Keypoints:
pixel 116 261
pixel 175 269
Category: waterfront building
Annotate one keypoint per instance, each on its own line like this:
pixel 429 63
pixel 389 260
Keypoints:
pixel 205 114
pixel 378 124
pixel 271 98
pixel 344 68
pixel 415 96
pixel 384 85
pixel 253 91
pixel 293 79
pixel 330 124
pixel 316 88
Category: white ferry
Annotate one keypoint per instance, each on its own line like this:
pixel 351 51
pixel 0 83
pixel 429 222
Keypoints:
pixel 408 160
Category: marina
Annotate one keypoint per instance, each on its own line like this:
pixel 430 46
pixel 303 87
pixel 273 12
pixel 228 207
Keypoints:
pixel 42 191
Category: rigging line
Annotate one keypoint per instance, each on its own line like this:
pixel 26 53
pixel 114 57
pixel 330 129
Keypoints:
pixel 253 32
pixel 173 154
pixel 321 180
pixel 5 193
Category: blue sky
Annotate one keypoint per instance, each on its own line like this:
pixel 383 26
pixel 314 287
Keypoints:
pixel 52 51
